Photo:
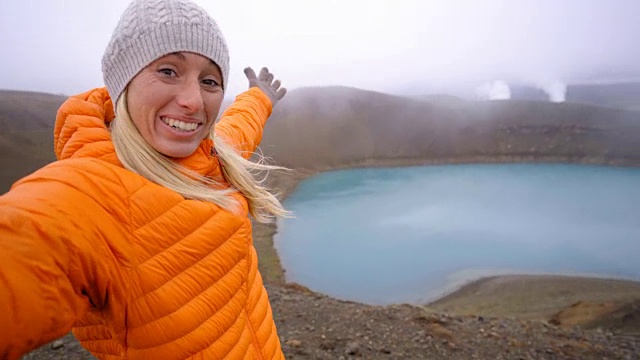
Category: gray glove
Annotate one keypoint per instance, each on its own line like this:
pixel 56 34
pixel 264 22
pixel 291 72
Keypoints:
pixel 265 82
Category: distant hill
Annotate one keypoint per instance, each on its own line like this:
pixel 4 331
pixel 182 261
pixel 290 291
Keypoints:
pixel 625 95
pixel 321 128
pixel 26 142
pixel 618 95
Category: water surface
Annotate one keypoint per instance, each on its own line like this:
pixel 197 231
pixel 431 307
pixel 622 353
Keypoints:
pixel 410 234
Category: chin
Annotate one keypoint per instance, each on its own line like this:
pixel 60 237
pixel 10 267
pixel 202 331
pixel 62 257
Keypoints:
pixel 177 152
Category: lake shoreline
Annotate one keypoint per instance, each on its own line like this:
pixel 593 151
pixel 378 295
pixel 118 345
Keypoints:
pixel 287 182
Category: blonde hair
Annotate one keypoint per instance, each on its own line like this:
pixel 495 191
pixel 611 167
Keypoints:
pixel 138 156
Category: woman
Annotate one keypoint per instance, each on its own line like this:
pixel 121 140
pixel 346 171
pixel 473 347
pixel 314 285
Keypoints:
pixel 139 236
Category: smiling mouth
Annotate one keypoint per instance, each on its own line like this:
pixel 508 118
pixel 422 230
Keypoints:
pixel 180 125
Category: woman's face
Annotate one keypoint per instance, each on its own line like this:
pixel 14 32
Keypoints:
pixel 174 102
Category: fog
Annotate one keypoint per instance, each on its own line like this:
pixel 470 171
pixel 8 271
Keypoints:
pixel 402 46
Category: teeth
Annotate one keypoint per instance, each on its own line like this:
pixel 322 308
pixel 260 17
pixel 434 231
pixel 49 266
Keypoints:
pixel 180 124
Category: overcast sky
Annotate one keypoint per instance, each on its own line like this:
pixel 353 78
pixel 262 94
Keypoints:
pixel 383 45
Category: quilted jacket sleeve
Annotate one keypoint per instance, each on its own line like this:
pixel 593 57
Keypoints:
pixel 54 261
pixel 242 123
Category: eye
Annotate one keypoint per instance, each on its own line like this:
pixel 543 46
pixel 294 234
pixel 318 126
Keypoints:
pixel 210 82
pixel 167 72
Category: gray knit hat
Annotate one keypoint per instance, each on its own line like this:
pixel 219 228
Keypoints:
pixel 150 29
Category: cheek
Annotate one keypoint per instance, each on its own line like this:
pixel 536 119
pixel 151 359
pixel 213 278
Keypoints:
pixel 213 107
pixel 141 108
pixel 137 119
pixel 142 99
pixel 135 112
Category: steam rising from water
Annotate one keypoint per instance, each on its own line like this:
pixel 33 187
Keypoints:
pixel 500 90
pixel 495 90
pixel 556 90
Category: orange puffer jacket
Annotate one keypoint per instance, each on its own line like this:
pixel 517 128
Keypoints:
pixel 137 271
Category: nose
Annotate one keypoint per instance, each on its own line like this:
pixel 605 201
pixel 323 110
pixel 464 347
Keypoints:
pixel 189 96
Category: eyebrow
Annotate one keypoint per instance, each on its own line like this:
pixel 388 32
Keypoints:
pixel 181 56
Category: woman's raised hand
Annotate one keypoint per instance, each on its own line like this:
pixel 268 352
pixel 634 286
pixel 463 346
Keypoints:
pixel 265 82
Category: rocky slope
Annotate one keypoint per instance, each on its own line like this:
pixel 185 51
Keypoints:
pixel 313 326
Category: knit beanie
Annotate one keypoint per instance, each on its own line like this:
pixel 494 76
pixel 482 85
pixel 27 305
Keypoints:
pixel 150 29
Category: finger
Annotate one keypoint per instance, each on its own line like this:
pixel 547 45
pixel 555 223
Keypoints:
pixel 263 74
pixel 281 93
pixel 275 85
pixel 249 73
pixel 269 78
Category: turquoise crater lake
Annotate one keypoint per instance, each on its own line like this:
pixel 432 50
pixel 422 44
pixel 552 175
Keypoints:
pixel 391 235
